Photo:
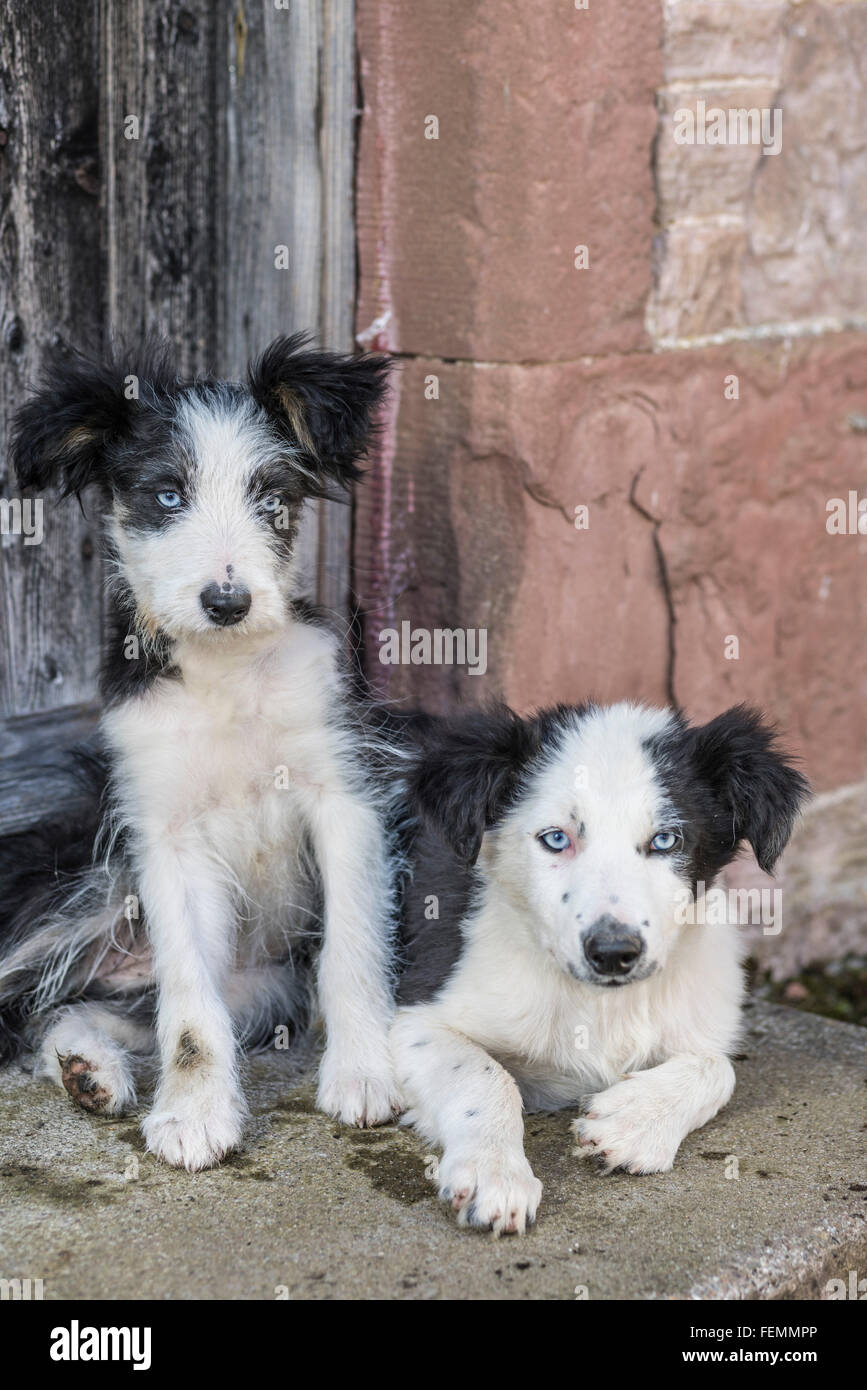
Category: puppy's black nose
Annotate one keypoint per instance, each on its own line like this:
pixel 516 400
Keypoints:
pixel 225 605
pixel 611 948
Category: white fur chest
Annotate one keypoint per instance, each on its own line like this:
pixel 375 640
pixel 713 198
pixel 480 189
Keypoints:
pixel 229 753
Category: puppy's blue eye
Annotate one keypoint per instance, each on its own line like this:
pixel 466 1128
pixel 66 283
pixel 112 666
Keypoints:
pixel 271 504
pixel 554 840
pixel 170 500
pixel 665 841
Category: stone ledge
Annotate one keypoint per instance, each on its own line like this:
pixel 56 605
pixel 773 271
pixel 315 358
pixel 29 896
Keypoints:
pixel 333 1213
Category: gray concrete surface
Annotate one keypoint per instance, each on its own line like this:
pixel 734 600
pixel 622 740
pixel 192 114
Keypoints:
pixel 326 1212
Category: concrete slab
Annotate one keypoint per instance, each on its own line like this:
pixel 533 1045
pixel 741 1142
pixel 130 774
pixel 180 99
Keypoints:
pixel 323 1212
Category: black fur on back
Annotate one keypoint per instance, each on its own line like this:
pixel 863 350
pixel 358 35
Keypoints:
pixel 437 897
pixel 40 870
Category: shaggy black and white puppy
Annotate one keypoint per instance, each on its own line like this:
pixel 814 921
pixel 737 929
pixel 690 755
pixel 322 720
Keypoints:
pixel 547 955
pixel 243 816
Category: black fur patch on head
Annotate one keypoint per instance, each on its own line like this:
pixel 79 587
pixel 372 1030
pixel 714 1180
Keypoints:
pixel 288 487
pixel 150 459
pixel 729 783
pixel 467 773
pixel 110 424
pixel 322 403
pixel 81 408
pixel 471 769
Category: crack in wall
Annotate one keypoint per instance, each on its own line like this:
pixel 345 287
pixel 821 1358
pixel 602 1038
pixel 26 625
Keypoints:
pixel 540 495
pixel 665 585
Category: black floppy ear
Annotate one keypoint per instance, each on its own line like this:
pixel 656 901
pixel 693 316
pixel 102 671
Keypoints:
pixel 322 402
pixel 81 405
pixel 736 754
pixel 466 772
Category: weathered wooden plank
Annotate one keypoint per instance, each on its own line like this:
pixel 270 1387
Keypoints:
pixel 269 103
pixel 270 237
pixel 337 137
pixel 50 593
pixel 162 181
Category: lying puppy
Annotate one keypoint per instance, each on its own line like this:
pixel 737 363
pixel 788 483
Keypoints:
pixel 545 959
pixel 243 817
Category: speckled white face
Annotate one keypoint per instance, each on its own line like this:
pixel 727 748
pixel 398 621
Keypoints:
pixel 593 850
pixel 205 529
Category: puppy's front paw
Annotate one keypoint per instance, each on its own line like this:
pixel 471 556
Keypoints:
pixel 357 1095
pixel 632 1125
pixel 103 1087
pixel 193 1129
pixel 495 1191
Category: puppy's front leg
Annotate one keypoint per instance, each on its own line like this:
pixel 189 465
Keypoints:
pixel 463 1100
pixel 356 1079
pixel 639 1122
pixel 198 1109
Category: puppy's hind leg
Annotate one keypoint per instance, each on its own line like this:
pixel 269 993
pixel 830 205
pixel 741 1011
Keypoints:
pixel 460 1098
pixel 86 1050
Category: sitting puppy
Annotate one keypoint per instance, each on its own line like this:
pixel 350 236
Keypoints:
pixel 242 817
pixel 559 851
